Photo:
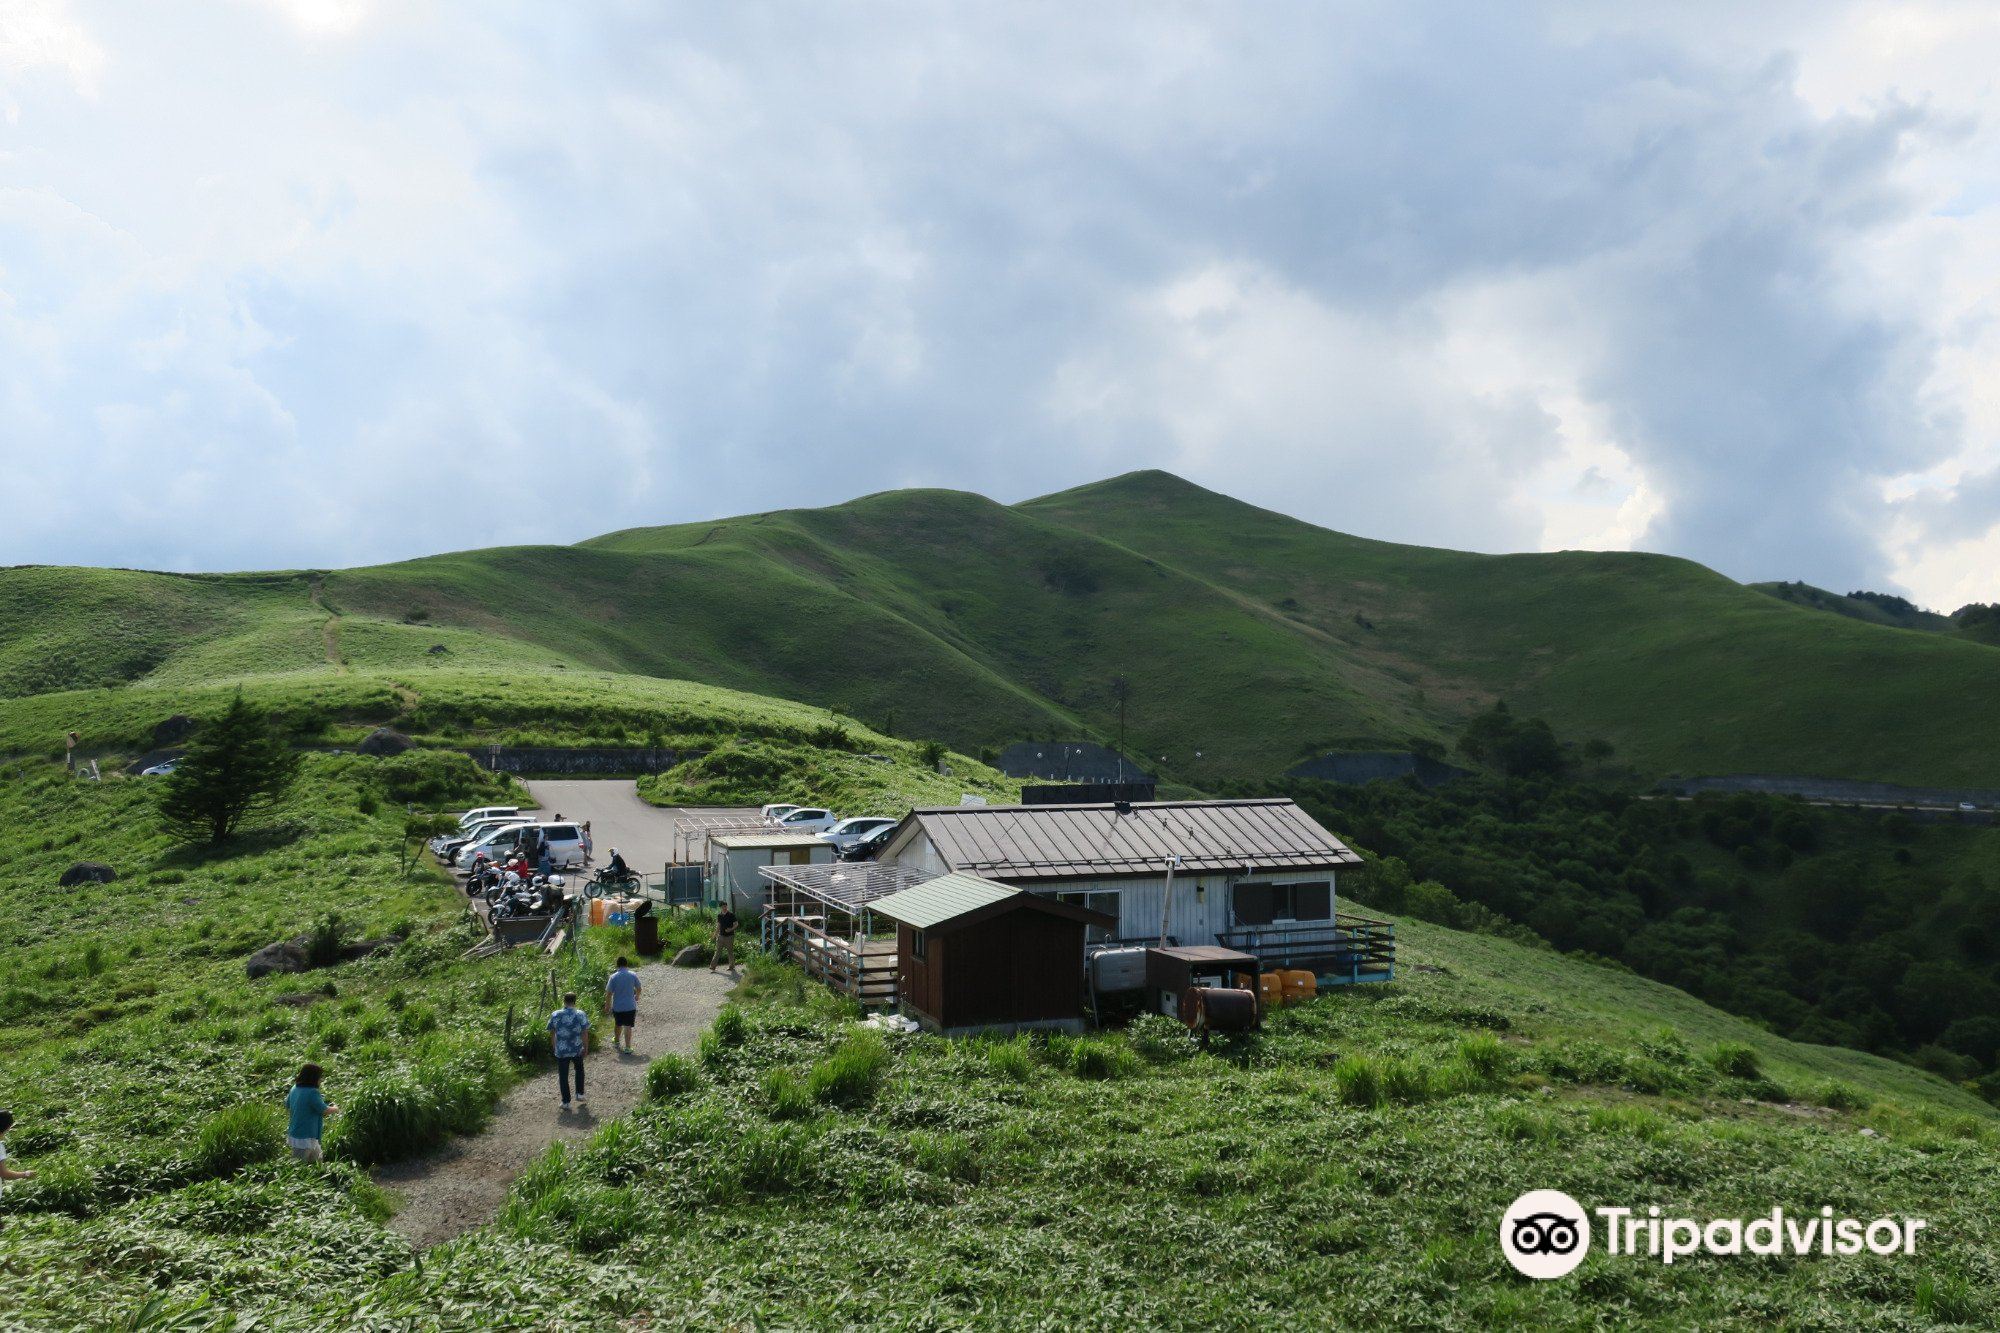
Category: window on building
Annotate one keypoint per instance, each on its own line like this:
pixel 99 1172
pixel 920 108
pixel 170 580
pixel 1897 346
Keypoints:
pixel 1096 900
pixel 919 946
pixel 1265 904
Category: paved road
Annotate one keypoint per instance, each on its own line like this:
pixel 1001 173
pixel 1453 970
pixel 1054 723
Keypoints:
pixel 618 818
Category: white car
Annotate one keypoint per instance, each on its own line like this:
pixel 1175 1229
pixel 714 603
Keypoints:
pixel 773 813
pixel 486 813
pixel 445 845
pixel 808 819
pixel 160 770
pixel 568 847
pixel 848 832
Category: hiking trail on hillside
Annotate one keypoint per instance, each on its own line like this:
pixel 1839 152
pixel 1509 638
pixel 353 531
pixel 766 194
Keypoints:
pixel 464 1184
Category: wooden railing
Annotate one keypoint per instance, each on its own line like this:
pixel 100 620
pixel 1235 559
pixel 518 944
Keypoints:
pixel 1346 949
pixel 867 974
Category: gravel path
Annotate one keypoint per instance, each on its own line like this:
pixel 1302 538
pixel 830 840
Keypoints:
pixel 463 1185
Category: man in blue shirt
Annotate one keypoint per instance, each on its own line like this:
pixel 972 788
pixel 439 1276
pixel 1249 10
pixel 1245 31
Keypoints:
pixel 621 997
pixel 567 1027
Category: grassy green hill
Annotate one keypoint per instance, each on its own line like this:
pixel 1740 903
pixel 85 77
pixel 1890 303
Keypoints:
pixel 1348 1166
pixel 1250 640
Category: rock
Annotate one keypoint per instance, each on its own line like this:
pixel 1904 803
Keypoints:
pixel 173 731
pixel 692 956
pixel 1870 1134
pixel 87 872
pixel 437 650
pixel 368 948
pixel 282 956
pixel 385 741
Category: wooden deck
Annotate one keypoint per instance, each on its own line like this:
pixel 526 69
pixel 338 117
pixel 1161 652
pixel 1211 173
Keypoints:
pixel 1346 950
pixel 864 969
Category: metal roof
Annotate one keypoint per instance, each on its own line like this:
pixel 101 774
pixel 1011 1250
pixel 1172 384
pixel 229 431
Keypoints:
pixel 737 841
pixel 849 884
pixel 1051 842
pixel 942 899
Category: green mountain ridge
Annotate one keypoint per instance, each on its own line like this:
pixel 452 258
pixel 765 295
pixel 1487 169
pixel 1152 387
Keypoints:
pixel 1250 640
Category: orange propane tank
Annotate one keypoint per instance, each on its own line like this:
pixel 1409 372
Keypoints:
pixel 1271 989
pixel 1299 985
pixel 598 911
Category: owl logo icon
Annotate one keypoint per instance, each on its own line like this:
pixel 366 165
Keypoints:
pixel 1545 1234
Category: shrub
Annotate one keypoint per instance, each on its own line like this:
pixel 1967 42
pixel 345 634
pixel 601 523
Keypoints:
pixel 323 941
pixel 1011 1060
pixel 1406 1082
pixel 1485 1056
pixel 1841 1097
pixel 237 1137
pixel 1732 1059
pixel 1946 1300
pixel 1523 1125
pixel 1159 1040
pixel 851 1074
pixel 1358 1081
pixel 731 1027
pixel 786 1096
pixel 1100 1058
pixel 671 1076
pixel 412 1110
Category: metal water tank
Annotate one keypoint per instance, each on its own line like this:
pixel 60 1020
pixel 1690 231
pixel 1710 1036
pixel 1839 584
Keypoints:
pixel 1119 969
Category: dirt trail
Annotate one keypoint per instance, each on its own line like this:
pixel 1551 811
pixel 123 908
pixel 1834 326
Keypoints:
pixel 463 1185
pixel 329 630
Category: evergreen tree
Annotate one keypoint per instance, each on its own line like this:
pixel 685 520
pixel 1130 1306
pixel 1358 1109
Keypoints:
pixel 235 766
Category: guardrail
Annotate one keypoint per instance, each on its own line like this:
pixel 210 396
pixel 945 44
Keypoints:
pixel 867 974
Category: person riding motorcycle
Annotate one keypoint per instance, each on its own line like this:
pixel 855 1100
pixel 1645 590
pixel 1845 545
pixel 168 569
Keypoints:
pixel 617 868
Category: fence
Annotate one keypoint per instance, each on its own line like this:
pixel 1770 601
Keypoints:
pixel 587 759
pixel 864 969
pixel 1349 949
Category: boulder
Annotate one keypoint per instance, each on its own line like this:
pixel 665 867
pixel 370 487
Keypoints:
pixel 437 650
pixel 282 956
pixel 693 956
pixel 368 948
pixel 87 872
pixel 385 741
pixel 173 731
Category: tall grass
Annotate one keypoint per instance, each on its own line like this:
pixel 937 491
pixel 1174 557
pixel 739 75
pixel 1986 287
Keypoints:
pixel 238 1137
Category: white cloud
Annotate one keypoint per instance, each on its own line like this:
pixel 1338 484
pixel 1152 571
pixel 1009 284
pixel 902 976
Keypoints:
pixel 273 272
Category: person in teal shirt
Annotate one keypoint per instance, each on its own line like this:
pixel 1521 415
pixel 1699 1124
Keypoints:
pixel 309 1109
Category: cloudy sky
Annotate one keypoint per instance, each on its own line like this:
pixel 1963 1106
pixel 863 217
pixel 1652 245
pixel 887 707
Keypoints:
pixel 317 282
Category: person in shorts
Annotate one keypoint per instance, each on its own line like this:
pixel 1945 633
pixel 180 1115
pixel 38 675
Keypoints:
pixel 621 997
pixel 308 1109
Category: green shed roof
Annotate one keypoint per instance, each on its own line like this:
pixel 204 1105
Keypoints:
pixel 945 898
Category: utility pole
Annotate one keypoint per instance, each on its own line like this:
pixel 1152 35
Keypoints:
pixel 1121 690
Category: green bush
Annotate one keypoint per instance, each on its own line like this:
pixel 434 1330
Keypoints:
pixel 411 1110
pixel 1406 1082
pixel 1732 1059
pixel 851 1074
pixel 1011 1060
pixel 671 1076
pixel 238 1137
pixel 1841 1097
pixel 1159 1040
pixel 786 1096
pixel 731 1027
pixel 1358 1081
pixel 1486 1056
pixel 1946 1300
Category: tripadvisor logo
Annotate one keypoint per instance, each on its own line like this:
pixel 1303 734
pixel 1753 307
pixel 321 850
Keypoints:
pixel 1546 1234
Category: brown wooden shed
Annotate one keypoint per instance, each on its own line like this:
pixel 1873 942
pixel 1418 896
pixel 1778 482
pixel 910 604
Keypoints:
pixel 973 955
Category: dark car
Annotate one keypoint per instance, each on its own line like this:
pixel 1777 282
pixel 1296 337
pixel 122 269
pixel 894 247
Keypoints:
pixel 869 847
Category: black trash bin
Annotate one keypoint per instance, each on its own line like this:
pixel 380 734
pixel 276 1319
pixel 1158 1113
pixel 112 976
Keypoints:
pixel 646 933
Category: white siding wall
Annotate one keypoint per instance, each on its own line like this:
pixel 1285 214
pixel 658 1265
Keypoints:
pixel 1200 908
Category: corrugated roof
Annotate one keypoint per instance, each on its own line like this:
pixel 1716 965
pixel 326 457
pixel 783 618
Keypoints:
pixel 1047 842
pixel 735 840
pixel 942 899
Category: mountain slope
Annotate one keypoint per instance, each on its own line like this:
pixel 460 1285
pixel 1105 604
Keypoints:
pixel 1249 640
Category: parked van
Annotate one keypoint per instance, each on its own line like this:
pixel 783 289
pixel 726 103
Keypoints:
pixel 445 845
pixel 568 847
pixel 486 812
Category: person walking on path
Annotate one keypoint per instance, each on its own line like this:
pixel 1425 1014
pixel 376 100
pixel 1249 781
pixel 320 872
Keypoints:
pixel 567 1027
pixel 725 938
pixel 621 997
pixel 8 1171
pixel 308 1109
